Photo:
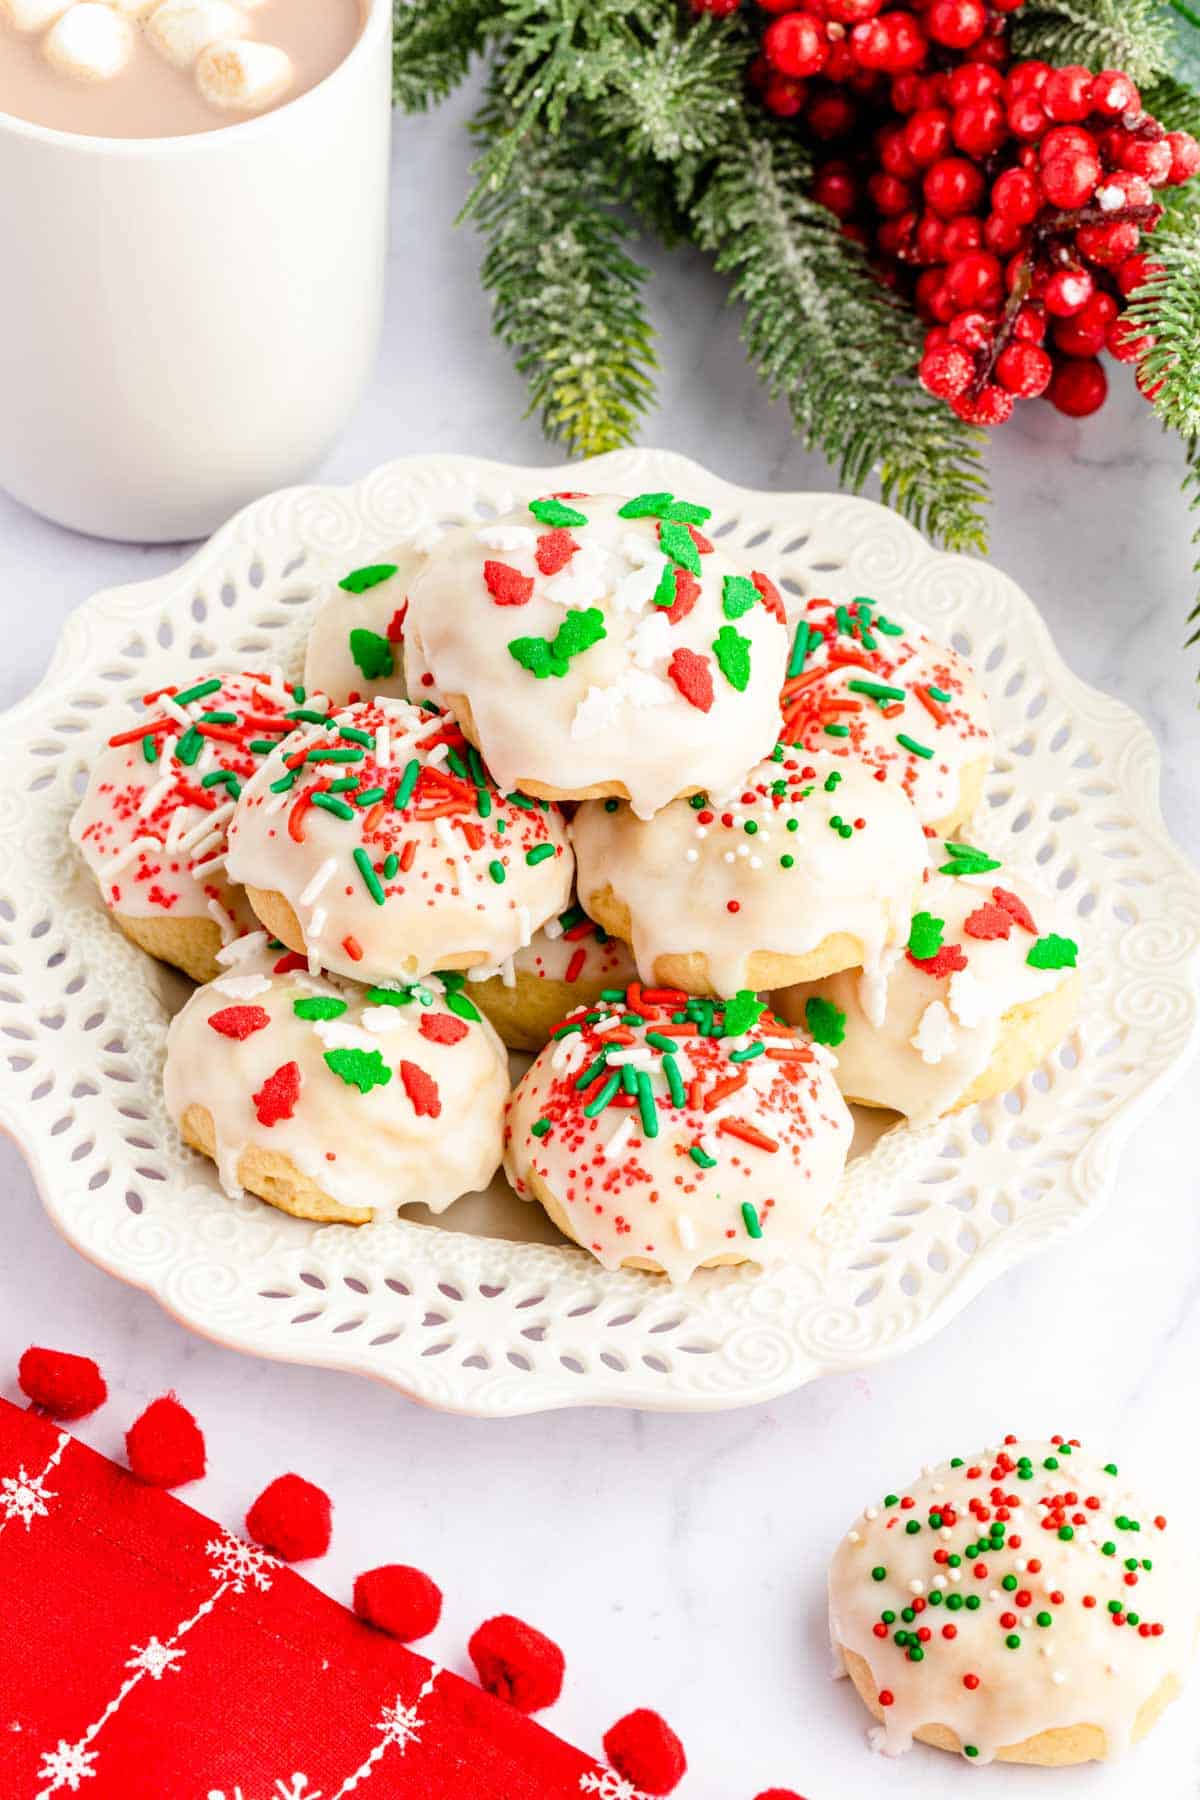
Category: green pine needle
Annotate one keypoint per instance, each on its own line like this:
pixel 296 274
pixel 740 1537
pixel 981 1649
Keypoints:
pixel 566 296
pixel 1134 35
pixel 1191 488
pixel 828 337
pixel 432 47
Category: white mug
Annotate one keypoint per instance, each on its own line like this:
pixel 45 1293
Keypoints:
pixel 188 322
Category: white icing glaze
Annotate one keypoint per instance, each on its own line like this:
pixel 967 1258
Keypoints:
pixel 384 1148
pixel 957 730
pixel 441 900
pixel 915 1040
pixel 631 1194
pixel 615 715
pixel 680 872
pixel 152 833
pixel 349 668
pixel 1079 1668
pixel 570 949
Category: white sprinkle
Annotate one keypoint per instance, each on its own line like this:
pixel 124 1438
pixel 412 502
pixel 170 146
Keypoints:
pixel 382 1019
pixel 153 796
pixel 553 929
pixel 525 926
pixel 276 803
pixel 383 746
pixel 854 1537
pixel 143 842
pixel 315 886
pixel 316 923
pixel 607 1024
pixel 614 1149
pixel 568 1054
pixel 637 1055
pixel 1057 1677
pixel 685 1231
pixel 173 710
pixel 237 952
pixel 438 754
pixel 934 1035
pixel 507 537
pixel 242 987
pixel 212 866
pixel 335 1034
pixel 224 921
pixel 916 1587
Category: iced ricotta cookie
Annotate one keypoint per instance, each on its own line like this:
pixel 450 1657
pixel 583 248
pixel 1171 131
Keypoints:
pixel 152 824
pixel 1021 1605
pixel 983 991
pixel 567 964
pixel 671 1134
pixel 336 1102
pixel 807 866
pixel 869 687
pixel 356 646
pixel 379 847
pixel 591 645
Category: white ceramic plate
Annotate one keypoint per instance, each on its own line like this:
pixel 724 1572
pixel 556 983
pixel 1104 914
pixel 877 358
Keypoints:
pixel 488 1311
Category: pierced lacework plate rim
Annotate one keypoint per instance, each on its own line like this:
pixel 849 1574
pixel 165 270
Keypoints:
pixel 488 1324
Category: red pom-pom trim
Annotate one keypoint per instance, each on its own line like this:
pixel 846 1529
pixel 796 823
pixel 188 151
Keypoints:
pixel 276 1098
pixel 506 585
pixel 292 1518
pixel 422 1090
pixel 643 1748
pixel 165 1446
pixel 517 1663
pixel 66 1386
pixel 240 1021
pixel 403 1602
pixel 443 1028
pixel 779 1794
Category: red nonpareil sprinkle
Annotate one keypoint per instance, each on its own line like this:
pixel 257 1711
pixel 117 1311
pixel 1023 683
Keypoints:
pixel 506 585
pixel 692 675
pixel 971 1681
pixel 517 1663
pixel 276 1098
pixel 769 594
pixel 644 1750
pixel 421 1089
pixel 948 959
pixel 165 1446
pixel 403 1602
pixel 1016 909
pixel 555 550
pixel 239 1021
pixel 352 947
pixel 687 592
pixel 292 1518
pixel 442 1028
pixel 989 921
pixel 65 1386
pixel 886 1697
pixel 575 966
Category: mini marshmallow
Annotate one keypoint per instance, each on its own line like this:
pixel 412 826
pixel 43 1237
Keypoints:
pixel 89 42
pixel 181 29
pixel 31 15
pixel 239 73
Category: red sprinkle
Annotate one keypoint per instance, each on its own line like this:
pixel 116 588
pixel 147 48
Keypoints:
pixel 989 921
pixel 442 1028
pixel 276 1098
pixel 422 1090
pixel 291 959
pixel 555 550
pixel 949 958
pixel 352 947
pixel 1016 908
pixel 395 630
pixel 575 966
pixel 240 1021
pixel 692 675
pixel 506 585
pixel 687 592
pixel 769 595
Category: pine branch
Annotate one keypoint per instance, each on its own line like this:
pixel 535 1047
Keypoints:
pixel 827 336
pixel 566 296
pixel 1191 488
pixel 433 42
pixel 674 95
pixel 1134 35
pixel 1167 307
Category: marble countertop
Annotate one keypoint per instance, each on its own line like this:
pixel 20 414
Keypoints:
pixel 680 1561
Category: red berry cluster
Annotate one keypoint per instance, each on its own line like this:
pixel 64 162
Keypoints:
pixel 1006 200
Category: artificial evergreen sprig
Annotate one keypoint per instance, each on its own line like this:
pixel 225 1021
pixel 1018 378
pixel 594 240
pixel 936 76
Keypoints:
pixel 1133 35
pixel 432 47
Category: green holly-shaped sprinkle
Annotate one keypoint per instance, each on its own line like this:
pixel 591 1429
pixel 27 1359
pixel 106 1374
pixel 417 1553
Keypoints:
pixel 1053 952
pixel 380 996
pixel 738 595
pixel 320 1007
pixel 664 593
pixel 553 512
pixel 925 937
pixel 966 860
pixel 646 506
pixel 537 655
pixel 732 652
pixel 676 541
pixel 742 1011
pixel 826 1022
pixel 372 653
pixel 581 628
pixel 359 580
pixel 363 1069
pixel 456 1001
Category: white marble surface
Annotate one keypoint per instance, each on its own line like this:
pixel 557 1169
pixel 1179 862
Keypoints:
pixel 680 1561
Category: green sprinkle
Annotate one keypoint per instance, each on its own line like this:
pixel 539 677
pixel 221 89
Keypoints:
pixel 408 781
pixel 787 862
pixel 391 866
pixel 217 718
pixel 751 1219
pixel 732 652
pixel 879 1574
pixel 937 694
pixel 925 936
pixel 913 1527
pixel 743 1010
pixel 838 731
pixel 601 1100
pixel 801 644
pixel 748 1055
pixel 554 513
pixel 966 860
pixel 887 627
pixel 320 1007
pixel 738 595
pixel 331 804
pixel 189 747
pixel 540 1127
pixel 1053 952
pixel 359 580
pixel 656 1037
pixel 335 756
pixel 647 1105
pixel 222 778
pixel 610 806
pixel 259 746
pixel 1045 1618
pixel 676 541
pixel 538 854
pixel 592 1071
pixel 646 506
pixel 877 690
pixel 674 1079
pixel 1009 1583
pixel 1066 1533
pixel 911 745
pixel 970 1750
pixel 150 748
pixel 200 692
pixel 347 785
pixel 369 796
pixel 580 629
pixel 370 878
pixel 460 1005
pixel 363 1069
pixel 497 872
pixel 304 715
pixel 832 779
pixel 973 1603
pixel 701 1157
pixel 826 1022
pixel 284 783
pixel 357 737
pixel 1013 1641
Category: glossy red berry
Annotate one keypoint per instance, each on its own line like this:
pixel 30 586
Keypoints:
pixel 1108 245
pixel 972 330
pixel 957 24
pixel 1024 370
pixel 1078 388
pixel 1185 156
pixel 1067 94
pixel 784 96
pixel 831 114
pixel 834 186
pixel 1121 189
pixel 890 195
pixel 1002 236
pixel 946 371
pixel 1027 118
pixel 1017 195
pixel 1086 332
pixel 889 45
pixel 1126 341
pixel 927 135
pixel 1030 324
pixel 973 81
pixel 953 185
pixel 1069 180
pixel 975 279
pixel 1028 77
pixel 1113 93
pixel 992 406
pixel 778 6
pixel 852 12
pixel 1066 140
pixel 795 44
pixel 1136 271
pixel 1067 291
pixel 979 127
pixel 1149 157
